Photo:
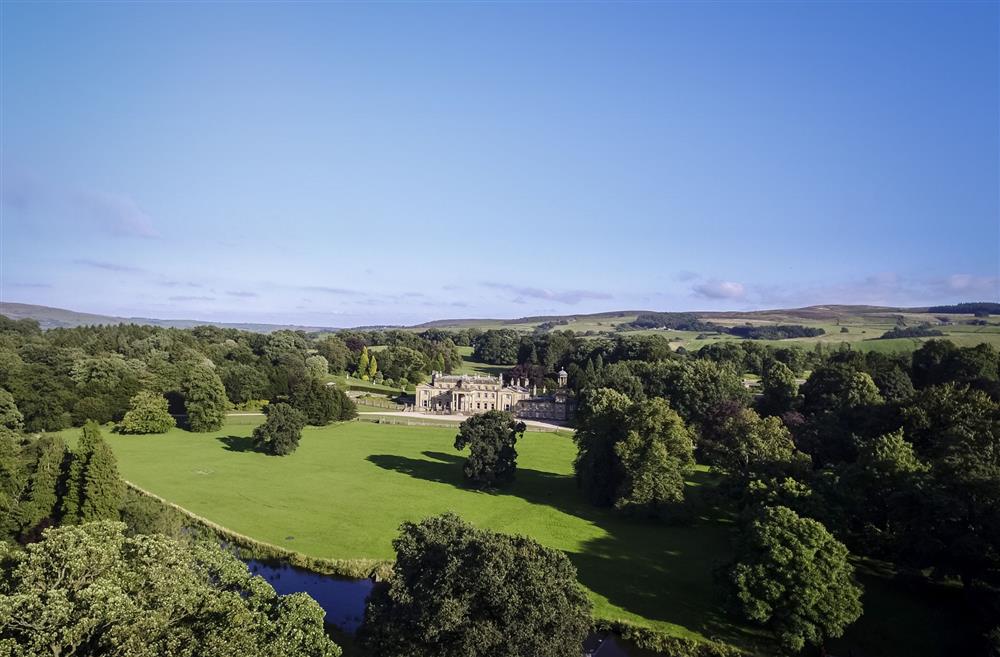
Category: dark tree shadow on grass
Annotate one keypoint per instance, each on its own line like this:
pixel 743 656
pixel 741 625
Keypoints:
pixel 660 572
pixel 238 443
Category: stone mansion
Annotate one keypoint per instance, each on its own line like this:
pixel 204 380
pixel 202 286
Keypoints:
pixel 468 394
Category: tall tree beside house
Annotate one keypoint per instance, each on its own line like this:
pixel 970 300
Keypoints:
pixel 204 399
pixel 363 359
pixel 94 489
pixel 148 414
pixel 458 591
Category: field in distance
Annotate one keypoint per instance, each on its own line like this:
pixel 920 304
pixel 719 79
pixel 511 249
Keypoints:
pixel 347 488
pixel 857 325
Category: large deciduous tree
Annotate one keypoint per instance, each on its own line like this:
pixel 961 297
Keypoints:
pixel 280 433
pixel 89 589
pixel 655 456
pixel 148 414
pixel 204 399
pixel 793 577
pixel 458 591
pixel 779 389
pixel 601 424
pixel 744 445
pixel 490 437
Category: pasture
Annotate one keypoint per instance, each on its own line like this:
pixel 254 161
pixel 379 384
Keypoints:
pixel 347 488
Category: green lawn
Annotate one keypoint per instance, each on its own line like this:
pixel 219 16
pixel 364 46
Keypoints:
pixel 347 488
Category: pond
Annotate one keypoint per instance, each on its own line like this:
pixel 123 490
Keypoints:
pixel 343 600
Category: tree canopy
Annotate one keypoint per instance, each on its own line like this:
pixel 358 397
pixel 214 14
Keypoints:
pixel 281 431
pixel 794 578
pixel 459 591
pixel 89 589
pixel 490 437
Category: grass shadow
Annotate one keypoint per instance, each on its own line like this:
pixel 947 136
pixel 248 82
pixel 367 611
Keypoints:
pixel 662 573
pixel 238 443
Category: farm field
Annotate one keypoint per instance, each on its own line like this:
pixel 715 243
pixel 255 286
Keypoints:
pixel 347 488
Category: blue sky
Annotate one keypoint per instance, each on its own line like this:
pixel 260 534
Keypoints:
pixel 352 164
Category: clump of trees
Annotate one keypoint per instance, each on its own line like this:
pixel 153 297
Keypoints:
pixel 92 586
pixel 496 346
pixel 280 433
pixel 920 331
pixel 458 591
pixel 148 414
pixel 490 437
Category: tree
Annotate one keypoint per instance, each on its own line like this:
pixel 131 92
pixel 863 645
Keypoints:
pixel 10 417
pixel 793 577
pixel 90 589
pixel 877 489
pixel 30 473
pixel 490 437
pixel 280 433
pixel 204 399
pixel 458 591
pixel 746 446
pixel 321 403
pixel 94 490
pixel 601 424
pixel 335 352
pixel 496 347
pixel 655 456
pixel 372 368
pixel 149 414
pixel 318 366
pixel 243 382
pixel 779 389
pixel 363 362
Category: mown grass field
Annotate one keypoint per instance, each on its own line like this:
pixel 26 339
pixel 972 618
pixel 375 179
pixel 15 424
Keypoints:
pixel 347 488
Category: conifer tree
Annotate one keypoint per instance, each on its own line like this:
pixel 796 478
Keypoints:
pixel 47 456
pixel 372 367
pixel 363 364
pixel 93 488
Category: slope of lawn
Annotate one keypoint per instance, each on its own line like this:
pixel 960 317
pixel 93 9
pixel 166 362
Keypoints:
pixel 347 488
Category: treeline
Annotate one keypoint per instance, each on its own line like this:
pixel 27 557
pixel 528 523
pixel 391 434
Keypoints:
pixel 978 308
pixel 64 377
pixel 690 322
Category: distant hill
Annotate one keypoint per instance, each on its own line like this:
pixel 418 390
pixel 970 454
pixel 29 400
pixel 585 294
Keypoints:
pixel 49 318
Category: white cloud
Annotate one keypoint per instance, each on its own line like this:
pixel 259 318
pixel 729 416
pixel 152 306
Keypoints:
pixel 715 289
